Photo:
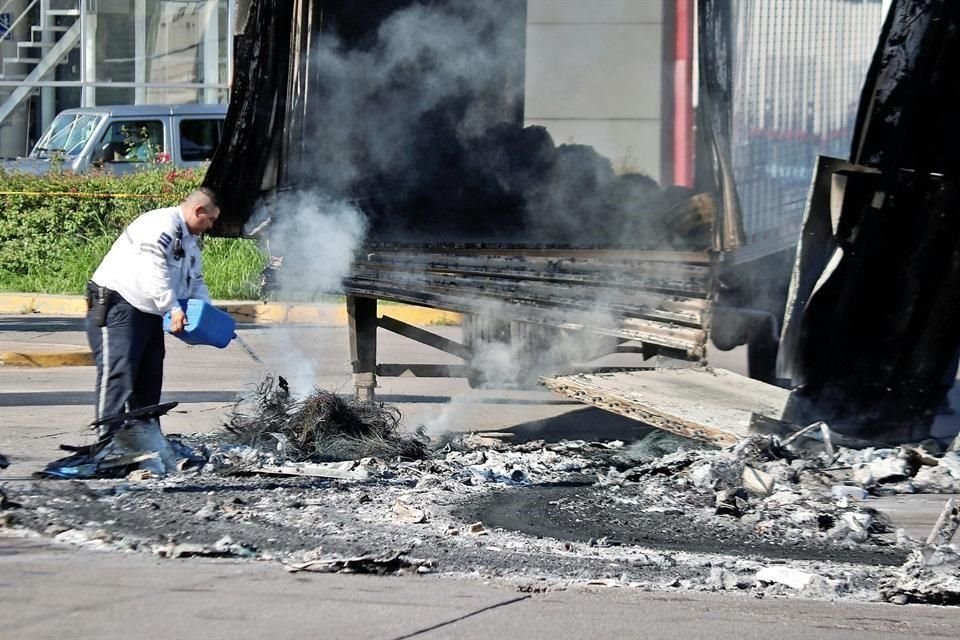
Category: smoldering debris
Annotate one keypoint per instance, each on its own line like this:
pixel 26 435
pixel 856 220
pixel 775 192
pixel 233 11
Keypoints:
pixel 418 122
pixel 514 182
pixel 757 495
pixel 902 470
pixel 312 224
pixel 790 524
pixel 319 427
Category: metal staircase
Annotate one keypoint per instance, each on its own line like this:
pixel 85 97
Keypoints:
pixel 54 33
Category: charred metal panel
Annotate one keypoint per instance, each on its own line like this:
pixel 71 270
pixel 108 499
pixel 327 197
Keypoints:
pixel 816 249
pixel 879 334
pixel 874 349
pixel 245 162
pixel 716 119
pixel 908 111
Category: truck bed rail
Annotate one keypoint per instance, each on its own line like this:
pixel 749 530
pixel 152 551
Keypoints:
pixel 661 299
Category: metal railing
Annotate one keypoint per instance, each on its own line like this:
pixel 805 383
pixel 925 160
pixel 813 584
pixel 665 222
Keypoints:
pixel 19 19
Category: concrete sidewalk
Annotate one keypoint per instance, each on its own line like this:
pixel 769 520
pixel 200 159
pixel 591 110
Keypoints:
pixel 327 314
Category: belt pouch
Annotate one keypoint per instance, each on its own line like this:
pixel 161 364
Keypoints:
pixel 101 305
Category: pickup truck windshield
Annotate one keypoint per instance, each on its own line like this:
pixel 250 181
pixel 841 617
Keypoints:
pixel 67 135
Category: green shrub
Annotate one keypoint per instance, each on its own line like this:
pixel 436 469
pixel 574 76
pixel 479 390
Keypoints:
pixel 55 229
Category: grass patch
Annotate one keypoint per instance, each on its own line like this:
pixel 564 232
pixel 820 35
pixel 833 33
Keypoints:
pixel 67 274
pixel 231 267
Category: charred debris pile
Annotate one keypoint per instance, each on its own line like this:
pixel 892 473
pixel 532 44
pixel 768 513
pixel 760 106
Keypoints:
pixel 795 498
pixel 794 488
pixel 360 515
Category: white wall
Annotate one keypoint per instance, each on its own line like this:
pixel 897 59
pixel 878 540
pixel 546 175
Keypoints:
pixel 886 8
pixel 593 76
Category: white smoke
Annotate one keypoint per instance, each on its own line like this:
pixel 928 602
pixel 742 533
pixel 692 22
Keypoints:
pixel 367 115
pixel 317 237
pixel 451 417
pixel 514 355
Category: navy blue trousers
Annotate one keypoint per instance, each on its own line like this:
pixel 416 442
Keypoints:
pixel 129 354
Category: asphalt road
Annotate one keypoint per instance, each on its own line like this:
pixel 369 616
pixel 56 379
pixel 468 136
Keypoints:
pixel 40 408
pixel 52 591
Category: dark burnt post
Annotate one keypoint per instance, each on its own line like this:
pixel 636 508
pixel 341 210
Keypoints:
pixel 362 315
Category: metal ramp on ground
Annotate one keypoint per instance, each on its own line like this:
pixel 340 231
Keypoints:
pixel 711 405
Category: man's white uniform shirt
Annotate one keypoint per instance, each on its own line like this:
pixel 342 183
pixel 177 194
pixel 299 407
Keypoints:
pixel 154 263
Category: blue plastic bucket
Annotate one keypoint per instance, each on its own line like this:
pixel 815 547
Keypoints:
pixel 205 324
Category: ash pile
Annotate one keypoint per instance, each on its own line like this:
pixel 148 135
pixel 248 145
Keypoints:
pixel 320 483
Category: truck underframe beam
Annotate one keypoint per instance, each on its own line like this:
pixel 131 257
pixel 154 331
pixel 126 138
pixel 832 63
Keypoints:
pixel 363 325
pixel 362 318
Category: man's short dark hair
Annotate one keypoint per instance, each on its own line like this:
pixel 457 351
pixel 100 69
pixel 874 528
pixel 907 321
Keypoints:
pixel 211 194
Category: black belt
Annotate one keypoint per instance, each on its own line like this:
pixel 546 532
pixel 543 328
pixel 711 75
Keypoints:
pixel 96 292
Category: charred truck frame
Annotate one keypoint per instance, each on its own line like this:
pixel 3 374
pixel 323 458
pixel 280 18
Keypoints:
pixel 472 207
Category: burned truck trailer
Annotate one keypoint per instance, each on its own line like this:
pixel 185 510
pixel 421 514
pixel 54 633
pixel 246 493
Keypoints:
pixel 547 167
pixel 872 338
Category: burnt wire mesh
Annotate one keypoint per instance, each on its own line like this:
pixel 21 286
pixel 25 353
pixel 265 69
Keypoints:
pixel 320 427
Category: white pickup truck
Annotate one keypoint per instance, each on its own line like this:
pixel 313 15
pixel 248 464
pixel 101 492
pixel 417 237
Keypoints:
pixel 124 138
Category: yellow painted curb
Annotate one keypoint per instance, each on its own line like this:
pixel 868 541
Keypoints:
pixel 274 313
pixel 49 359
pixel 419 315
pixel 330 315
pixel 17 303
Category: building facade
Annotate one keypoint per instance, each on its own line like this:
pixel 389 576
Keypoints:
pixel 58 54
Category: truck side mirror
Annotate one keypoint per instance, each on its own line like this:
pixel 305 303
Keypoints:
pixel 100 155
